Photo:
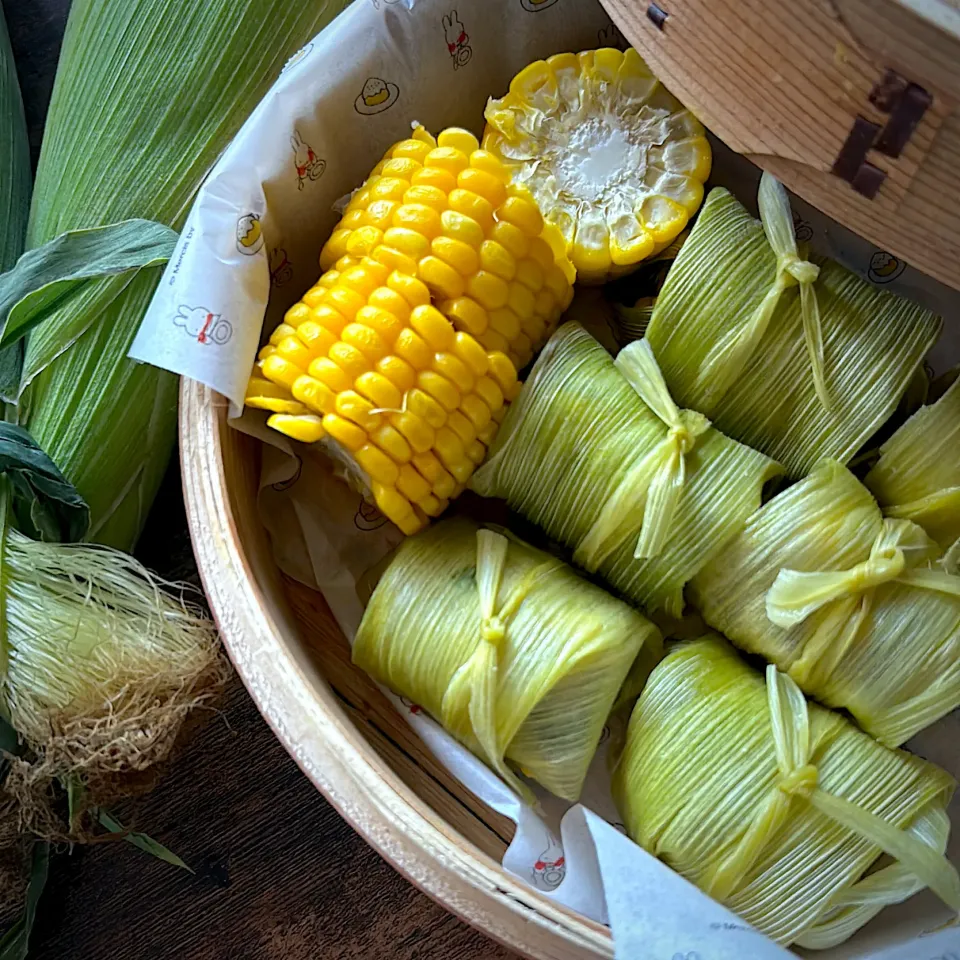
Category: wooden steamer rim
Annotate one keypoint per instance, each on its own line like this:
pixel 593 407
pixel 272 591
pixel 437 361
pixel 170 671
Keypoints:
pixel 822 93
pixel 242 584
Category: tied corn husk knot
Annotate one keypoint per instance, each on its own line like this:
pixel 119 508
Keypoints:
pixel 792 848
pixel 729 357
pixel 516 655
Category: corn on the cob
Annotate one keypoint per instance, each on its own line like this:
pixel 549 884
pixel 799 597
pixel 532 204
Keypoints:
pixel 776 807
pixel 365 361
pixel 609 155
pixel 442 210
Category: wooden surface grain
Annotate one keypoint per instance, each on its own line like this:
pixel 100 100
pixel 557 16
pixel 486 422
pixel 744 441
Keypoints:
pixel 279 875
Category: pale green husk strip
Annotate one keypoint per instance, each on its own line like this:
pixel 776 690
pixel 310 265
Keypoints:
pixel 890 654
pixel 777 830
pixel 873 342
pixel 14 158
pixel 147 95
pixel 918 473
pixel 572 436
pixel 564 654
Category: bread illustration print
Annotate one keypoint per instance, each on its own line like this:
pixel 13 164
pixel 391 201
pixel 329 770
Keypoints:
pixel 376 96
pixel 249 234
pixel 309 166
pixel 885 267
pixel 535 6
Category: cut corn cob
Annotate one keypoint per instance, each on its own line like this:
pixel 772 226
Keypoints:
pixel 367 363
pixel 610 156
pixel 442 211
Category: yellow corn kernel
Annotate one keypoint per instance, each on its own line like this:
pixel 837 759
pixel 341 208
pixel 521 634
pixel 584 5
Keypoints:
pixel 328 317
pixel 388 325
pixel 490 163
pixel 447 158
pixel 422 405
pixel 433 326
pixel 540 252
pixel 476 452
pixel 327 372
pixel 379 391
pixel 414 149
pixel 279 370
pixel 498 260
pixel 284 403
pixel 345 301
pixel 556 283
pixel 489 290
pixel 411 242
pixel 462 427
pixel 391 442
pixel 412 485
pixel 505 322
pixel 414 291
pixel 349 359
pixel 334 248
pixel 465 314
pixel 471 353
pixel 458 226
pixel 476 411
pixel 522 350
pixel 432 506
pixel 296 314
pixel 487 433
pixel 410 346
pixel 328 280
pixel 435 177
pixel 472 205
pixel 453 455
pixel 282 331
pixel 427 195
pixel 353 220
pixel 344 432
pixel 417 432
pixel 386 299
pixel 522 213
pixel 418 217
pixel 530 274
pixel 315 295
pixel 344 263
pixel 316 340
pixel 389 188
pixel 491 340
pixel 365 277
pixel 378 466
pixel 520 300
pixel 458 139
pixel 440 388
pixel 544 304
pixel 459 255
pixel 351 406
pixel 314 394
pixel 503 371
pixel 380 213
pixel 363 240
pixel 395 259
pixel 440 277
pixel 436 474
pixel 398 372
pixel 511 238
pixel 367 341
pixel 455 370
pixel 484 184
pixel 359 200
pixel 491 394
pixel 396 508
pixel 402 167
pixel 266 351
pixel 303 427
pixel 499 414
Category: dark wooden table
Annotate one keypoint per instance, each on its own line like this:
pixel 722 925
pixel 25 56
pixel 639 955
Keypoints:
pixel 279 876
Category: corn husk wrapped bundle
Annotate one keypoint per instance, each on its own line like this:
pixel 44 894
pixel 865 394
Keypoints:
pixel 516 655
pixel 775 807
pixel 797 358
pixel 918 474
pixel 851 605
pixel 596 453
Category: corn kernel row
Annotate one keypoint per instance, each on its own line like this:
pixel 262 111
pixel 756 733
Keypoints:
pixel 443 210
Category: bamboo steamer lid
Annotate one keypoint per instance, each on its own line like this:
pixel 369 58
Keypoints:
pixel 850 103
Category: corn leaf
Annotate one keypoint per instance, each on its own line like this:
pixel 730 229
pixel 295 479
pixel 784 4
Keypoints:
pixel 14 158
pixel 47 277
pixel 16 941
pixel 141 841
pixel 148 93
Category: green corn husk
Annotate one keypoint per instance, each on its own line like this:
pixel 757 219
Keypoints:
pixel 516 655
pixel 14 158
pixel 644 504
pixel 148 93
pixel 852 606
pixel 918 474
pixel 801 360
pixel 775 807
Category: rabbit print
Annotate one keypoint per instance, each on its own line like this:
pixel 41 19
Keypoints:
pixel 309 166
pixel 458 43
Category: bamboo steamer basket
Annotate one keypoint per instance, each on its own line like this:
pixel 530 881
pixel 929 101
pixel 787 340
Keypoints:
pixel 790 113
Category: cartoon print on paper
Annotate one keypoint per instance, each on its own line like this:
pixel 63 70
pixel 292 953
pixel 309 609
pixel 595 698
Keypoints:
pixel 203 325
pixel 281 269
pixel 309 166
pixel 296 58
pixel 368 517
pixel 885 267
pixel 412 707
pixel 249 234
pixel 550 867
pixel 535 6
pixel 376 96
pixel 610 36
pixel 286 484
pixel 458 43
pixel 801 229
